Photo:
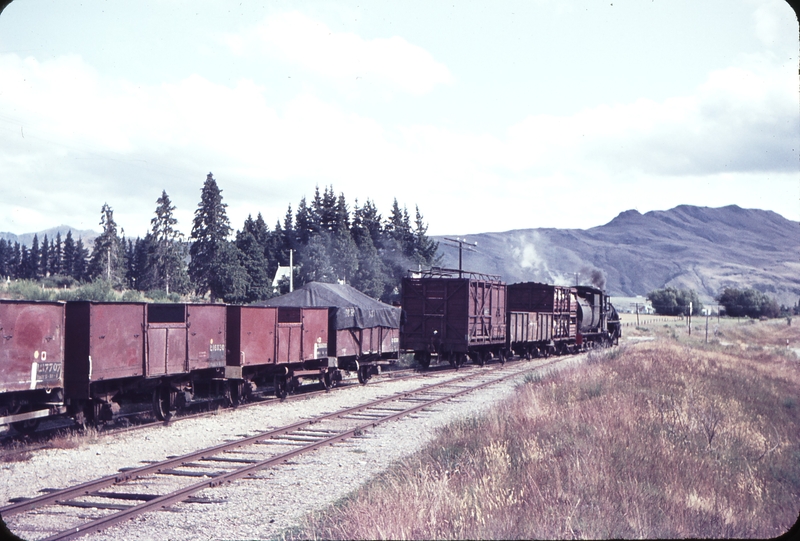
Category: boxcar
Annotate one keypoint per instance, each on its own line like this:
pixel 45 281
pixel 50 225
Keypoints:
pixel 454 315
pixel 31 362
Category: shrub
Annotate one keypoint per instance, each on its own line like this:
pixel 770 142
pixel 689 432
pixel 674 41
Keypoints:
pixel 99 291
pixel 131 295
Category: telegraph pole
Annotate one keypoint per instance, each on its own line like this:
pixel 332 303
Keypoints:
pixel 461 244
pixel 291 271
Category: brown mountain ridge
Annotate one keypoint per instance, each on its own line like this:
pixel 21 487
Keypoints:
pixel 702 248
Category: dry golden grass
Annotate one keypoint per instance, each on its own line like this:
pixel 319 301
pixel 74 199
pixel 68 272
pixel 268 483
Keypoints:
pixel 671 438
pixel 14 453
pixel 65 439
pixel 72 439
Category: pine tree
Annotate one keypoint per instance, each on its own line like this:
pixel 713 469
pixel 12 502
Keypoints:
pixel 31 264
pixel 44 258
pixel 344 255
pixel 341 214
pixel 167 249
pixel 56 256
pixel 16 261
pixel 209 268
pixel 370 278
pixel 230 279
pixel 371 221
pixel 425 248
pixel 272 248
pixel 288 238
pixel 253 261
pixel 315 264
pixel 343 252
pixel 261 232
pixel 316 211
pixel 131 269
pixel 327 210
pixel 25 271
pixel 79 262
pixel 68 257
pixel 106 261
pixel 306 223
pixel 4 257
pixel 396 245
pixel 143 276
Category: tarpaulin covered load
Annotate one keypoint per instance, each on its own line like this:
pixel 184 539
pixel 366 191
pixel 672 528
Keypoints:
pixel 352 309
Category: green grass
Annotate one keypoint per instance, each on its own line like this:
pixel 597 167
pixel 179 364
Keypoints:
pixel 99 290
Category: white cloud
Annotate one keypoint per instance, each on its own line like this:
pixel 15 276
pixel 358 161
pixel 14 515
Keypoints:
pixel 775 23
pixel 739 119
pixel 123 143
pixel 313 46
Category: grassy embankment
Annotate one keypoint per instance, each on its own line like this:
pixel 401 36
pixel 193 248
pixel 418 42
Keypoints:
pixel 99 290
pixel 665 438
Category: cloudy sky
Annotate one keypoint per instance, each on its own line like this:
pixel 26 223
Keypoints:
pixel 490 116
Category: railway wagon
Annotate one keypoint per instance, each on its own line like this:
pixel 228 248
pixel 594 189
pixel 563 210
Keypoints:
pixel 529 333
pixel 120 353
pixel 363 333
pixel 454 315
pixel 31 362
pixel 277 345
pixel 556 306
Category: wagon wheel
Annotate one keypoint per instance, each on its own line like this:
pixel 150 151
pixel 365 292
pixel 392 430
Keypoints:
pixel 326 381
pixel 480 358
pixel 423 358
pixel 25 427
pixel 460 360
pixel 234 394
pixel 84 417
pixel 364 374
pixel 281 387
pixel 504 356
pixel 162 403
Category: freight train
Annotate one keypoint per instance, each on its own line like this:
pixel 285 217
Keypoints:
pixel 95 361
pixel 457 316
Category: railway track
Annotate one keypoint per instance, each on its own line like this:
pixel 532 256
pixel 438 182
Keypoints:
pixel 16 442
pixel 96 505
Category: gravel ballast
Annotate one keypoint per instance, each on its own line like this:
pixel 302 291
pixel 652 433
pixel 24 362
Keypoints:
pixel 275 498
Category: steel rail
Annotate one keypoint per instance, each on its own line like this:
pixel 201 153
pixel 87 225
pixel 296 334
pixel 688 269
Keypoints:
pixel 183 493
pixel 42 443
pixel 88 487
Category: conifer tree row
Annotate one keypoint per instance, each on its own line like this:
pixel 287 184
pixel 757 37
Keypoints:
pixel 330 242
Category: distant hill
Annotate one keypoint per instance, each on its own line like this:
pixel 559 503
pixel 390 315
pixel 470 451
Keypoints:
pixel 87 235
pixel 702 248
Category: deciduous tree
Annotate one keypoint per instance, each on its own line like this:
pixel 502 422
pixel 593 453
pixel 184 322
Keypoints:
pixel 673 302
